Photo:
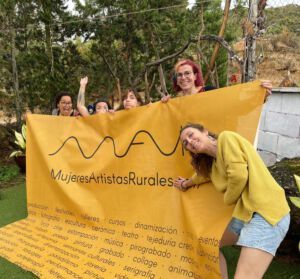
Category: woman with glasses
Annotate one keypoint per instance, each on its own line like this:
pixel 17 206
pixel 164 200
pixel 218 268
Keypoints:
pixel 131 99
pixel 100 106
pixel 260 218
pixel 64 105
pixel 188 80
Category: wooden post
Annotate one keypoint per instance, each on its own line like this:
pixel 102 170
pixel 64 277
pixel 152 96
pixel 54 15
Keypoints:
pixel 217 46
pixel 250 42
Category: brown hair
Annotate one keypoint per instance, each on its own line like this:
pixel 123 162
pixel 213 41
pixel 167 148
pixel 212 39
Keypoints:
pixel 125 94
pixel 202 163
pixel 59 96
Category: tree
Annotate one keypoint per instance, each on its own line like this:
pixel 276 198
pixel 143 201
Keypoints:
pixel 113 42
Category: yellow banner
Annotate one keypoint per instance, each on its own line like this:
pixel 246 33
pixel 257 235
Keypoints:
pixel 100 197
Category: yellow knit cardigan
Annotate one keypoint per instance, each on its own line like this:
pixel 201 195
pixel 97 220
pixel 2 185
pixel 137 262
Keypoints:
pixel 239 173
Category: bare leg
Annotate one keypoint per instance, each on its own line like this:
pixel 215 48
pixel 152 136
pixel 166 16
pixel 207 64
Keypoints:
pixel 252 263
pixel 223 265
pixel 228 239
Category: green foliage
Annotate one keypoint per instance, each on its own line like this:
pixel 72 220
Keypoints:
pixel 20 141
pixel 104 39
pixel 296 200
pixel 237 15
pixel 7 173
pixel 129 42
pixel 283 17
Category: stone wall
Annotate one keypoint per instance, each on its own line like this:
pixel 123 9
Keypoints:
pixel 279 130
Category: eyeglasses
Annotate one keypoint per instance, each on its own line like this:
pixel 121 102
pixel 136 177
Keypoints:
pixel 102 109
pixel 184 74
pixel 66 104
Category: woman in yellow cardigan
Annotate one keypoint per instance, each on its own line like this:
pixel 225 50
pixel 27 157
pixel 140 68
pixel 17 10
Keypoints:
pixel 261 216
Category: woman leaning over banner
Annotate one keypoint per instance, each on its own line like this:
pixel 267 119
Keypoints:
pixel 64 105
pixel 100 106
pixel 130 99
pixel 188 80
pixel 261 216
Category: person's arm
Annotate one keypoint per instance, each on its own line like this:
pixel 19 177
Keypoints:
pixel 81 98
pixel 184 184
pixel 237 177
pixel 236 166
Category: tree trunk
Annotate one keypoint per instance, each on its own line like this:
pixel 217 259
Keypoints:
pixel 160 68
pixel 117 80
pixel 47 20
pixel 119 89
pixel 217 46
pixel 250 43
pixel 215 38
pixel 162 79
pixel 147 92
pixel 49 49
pixel 15 77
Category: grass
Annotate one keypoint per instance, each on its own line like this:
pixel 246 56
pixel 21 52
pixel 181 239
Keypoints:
pixel 9 270
pixel 277 269
pixel 7 173
pixel 13 203
pixel 10 176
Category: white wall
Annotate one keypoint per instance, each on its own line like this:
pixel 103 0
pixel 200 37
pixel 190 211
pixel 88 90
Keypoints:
pixel 279 131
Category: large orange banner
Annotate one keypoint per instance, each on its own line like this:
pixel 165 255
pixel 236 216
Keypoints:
pixel 101 201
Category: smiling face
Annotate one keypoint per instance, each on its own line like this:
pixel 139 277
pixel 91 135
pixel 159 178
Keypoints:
pixel 185 77
pixel 195 141
pixel 101 107
pixel 65 106
pixel 130 101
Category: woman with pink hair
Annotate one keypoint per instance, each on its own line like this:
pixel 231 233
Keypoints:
pixel 188 77
pixel 188 80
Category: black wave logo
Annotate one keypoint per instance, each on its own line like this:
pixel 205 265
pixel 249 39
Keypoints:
pixel 132 143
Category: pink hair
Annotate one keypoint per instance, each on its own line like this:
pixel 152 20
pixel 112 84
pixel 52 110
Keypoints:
pixel 196 69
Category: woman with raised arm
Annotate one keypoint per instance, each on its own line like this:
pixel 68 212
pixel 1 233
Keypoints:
pixel 188 80
pixel 131 99
pixel 260 217
pixel 100 106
